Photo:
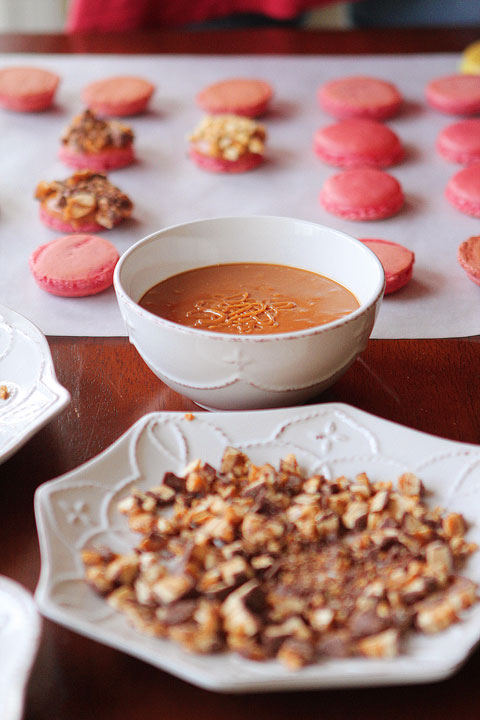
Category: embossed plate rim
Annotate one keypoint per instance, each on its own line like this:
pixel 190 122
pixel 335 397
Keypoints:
pixel 18 608
pixel 332 437
pixel 59 396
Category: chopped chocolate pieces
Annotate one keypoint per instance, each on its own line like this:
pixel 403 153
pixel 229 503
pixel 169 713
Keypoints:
pixel 84 195
pixel 272 564
pixel 88 133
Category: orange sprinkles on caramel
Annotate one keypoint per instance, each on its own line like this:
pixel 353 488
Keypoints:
pixel 249 298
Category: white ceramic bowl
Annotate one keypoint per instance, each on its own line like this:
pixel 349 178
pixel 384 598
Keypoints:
pixel 237 372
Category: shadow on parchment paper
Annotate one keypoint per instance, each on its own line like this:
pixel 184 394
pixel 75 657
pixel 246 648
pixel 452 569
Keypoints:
pixel 280 110
pixel 414 205
pixel 429 284
pixel 278 157
pixel 412 154
pixel 410 109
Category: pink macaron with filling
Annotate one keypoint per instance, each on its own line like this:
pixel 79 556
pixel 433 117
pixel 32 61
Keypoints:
pixel 463 190
pixel 360 96
pixel 455 94
pixel 248 97
pixel 460 142
pixel 469 258
pixel 75 265
pixel 119 96
pixel 397 262
pixel 27 89
pixel 362 194
pixel 358 142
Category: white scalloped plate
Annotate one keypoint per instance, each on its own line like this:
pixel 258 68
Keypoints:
pixel 34 394
pixel 79 509
pixel 20 626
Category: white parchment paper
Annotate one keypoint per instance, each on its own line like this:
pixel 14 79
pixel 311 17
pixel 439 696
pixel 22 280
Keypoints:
pixel 167 188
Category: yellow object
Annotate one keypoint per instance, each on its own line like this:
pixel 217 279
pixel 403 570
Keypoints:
pixel 470 62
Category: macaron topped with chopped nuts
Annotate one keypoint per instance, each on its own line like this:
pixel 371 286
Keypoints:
pixel 96 144
pixel 85 202
pixel 227 143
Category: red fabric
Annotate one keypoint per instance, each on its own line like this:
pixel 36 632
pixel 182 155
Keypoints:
pixel 111 15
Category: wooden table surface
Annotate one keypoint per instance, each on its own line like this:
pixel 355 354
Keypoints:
pixel 430 385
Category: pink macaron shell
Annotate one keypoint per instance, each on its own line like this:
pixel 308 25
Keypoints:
pixel 460 142
pixel 246 162
pixel 397 262
pixel 362 194
pixel 469 258
pixel 455 94
pixel 27 89
pixel 463 190
pixel 360 97
pixel 247 97
pixel 118 96
pixel 27 104
pixel 75 265
pixel 56 223
pixel 112 159
pixel 358 143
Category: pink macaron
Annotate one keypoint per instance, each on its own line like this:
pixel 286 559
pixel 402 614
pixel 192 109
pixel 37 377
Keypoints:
pixel 111 159
pixel 27 89
pixel 463 190
pixel 469 258
pixel 358 142
pixel 455 94
pixel 118 96
pixel 397 262
pixel 75 265
pixel 460 142
pixel 246 162
pixel 248 97
pixel 362 194
pixel 360 96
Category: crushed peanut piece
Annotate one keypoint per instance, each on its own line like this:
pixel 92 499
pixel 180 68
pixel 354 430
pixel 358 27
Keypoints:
pixel 88 133
pixel 4 392
pixel 86 194
pixel 228 137
pixel 273 564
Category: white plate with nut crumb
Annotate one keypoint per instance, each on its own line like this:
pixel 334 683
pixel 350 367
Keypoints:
pixel 308 547
pixel 30 394
pixel 20 627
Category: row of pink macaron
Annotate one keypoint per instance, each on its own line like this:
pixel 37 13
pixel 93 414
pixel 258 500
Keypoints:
pixel 30 89
pixel 33 89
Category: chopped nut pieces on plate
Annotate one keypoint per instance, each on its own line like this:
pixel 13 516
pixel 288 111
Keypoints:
pixel 96 144
pixel 85 202
pixel 227 143
pixel 79 511
pixel 274 563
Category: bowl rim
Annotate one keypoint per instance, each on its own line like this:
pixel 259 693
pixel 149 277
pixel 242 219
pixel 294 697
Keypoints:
pixel 121 293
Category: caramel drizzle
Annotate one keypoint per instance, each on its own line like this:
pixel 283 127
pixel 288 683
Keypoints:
pixel 240 312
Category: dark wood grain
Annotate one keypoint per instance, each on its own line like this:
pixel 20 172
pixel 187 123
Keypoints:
pixel 255 40
pixel 430 385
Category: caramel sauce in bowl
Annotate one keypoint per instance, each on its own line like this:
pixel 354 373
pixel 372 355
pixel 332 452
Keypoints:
pixel 237 370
